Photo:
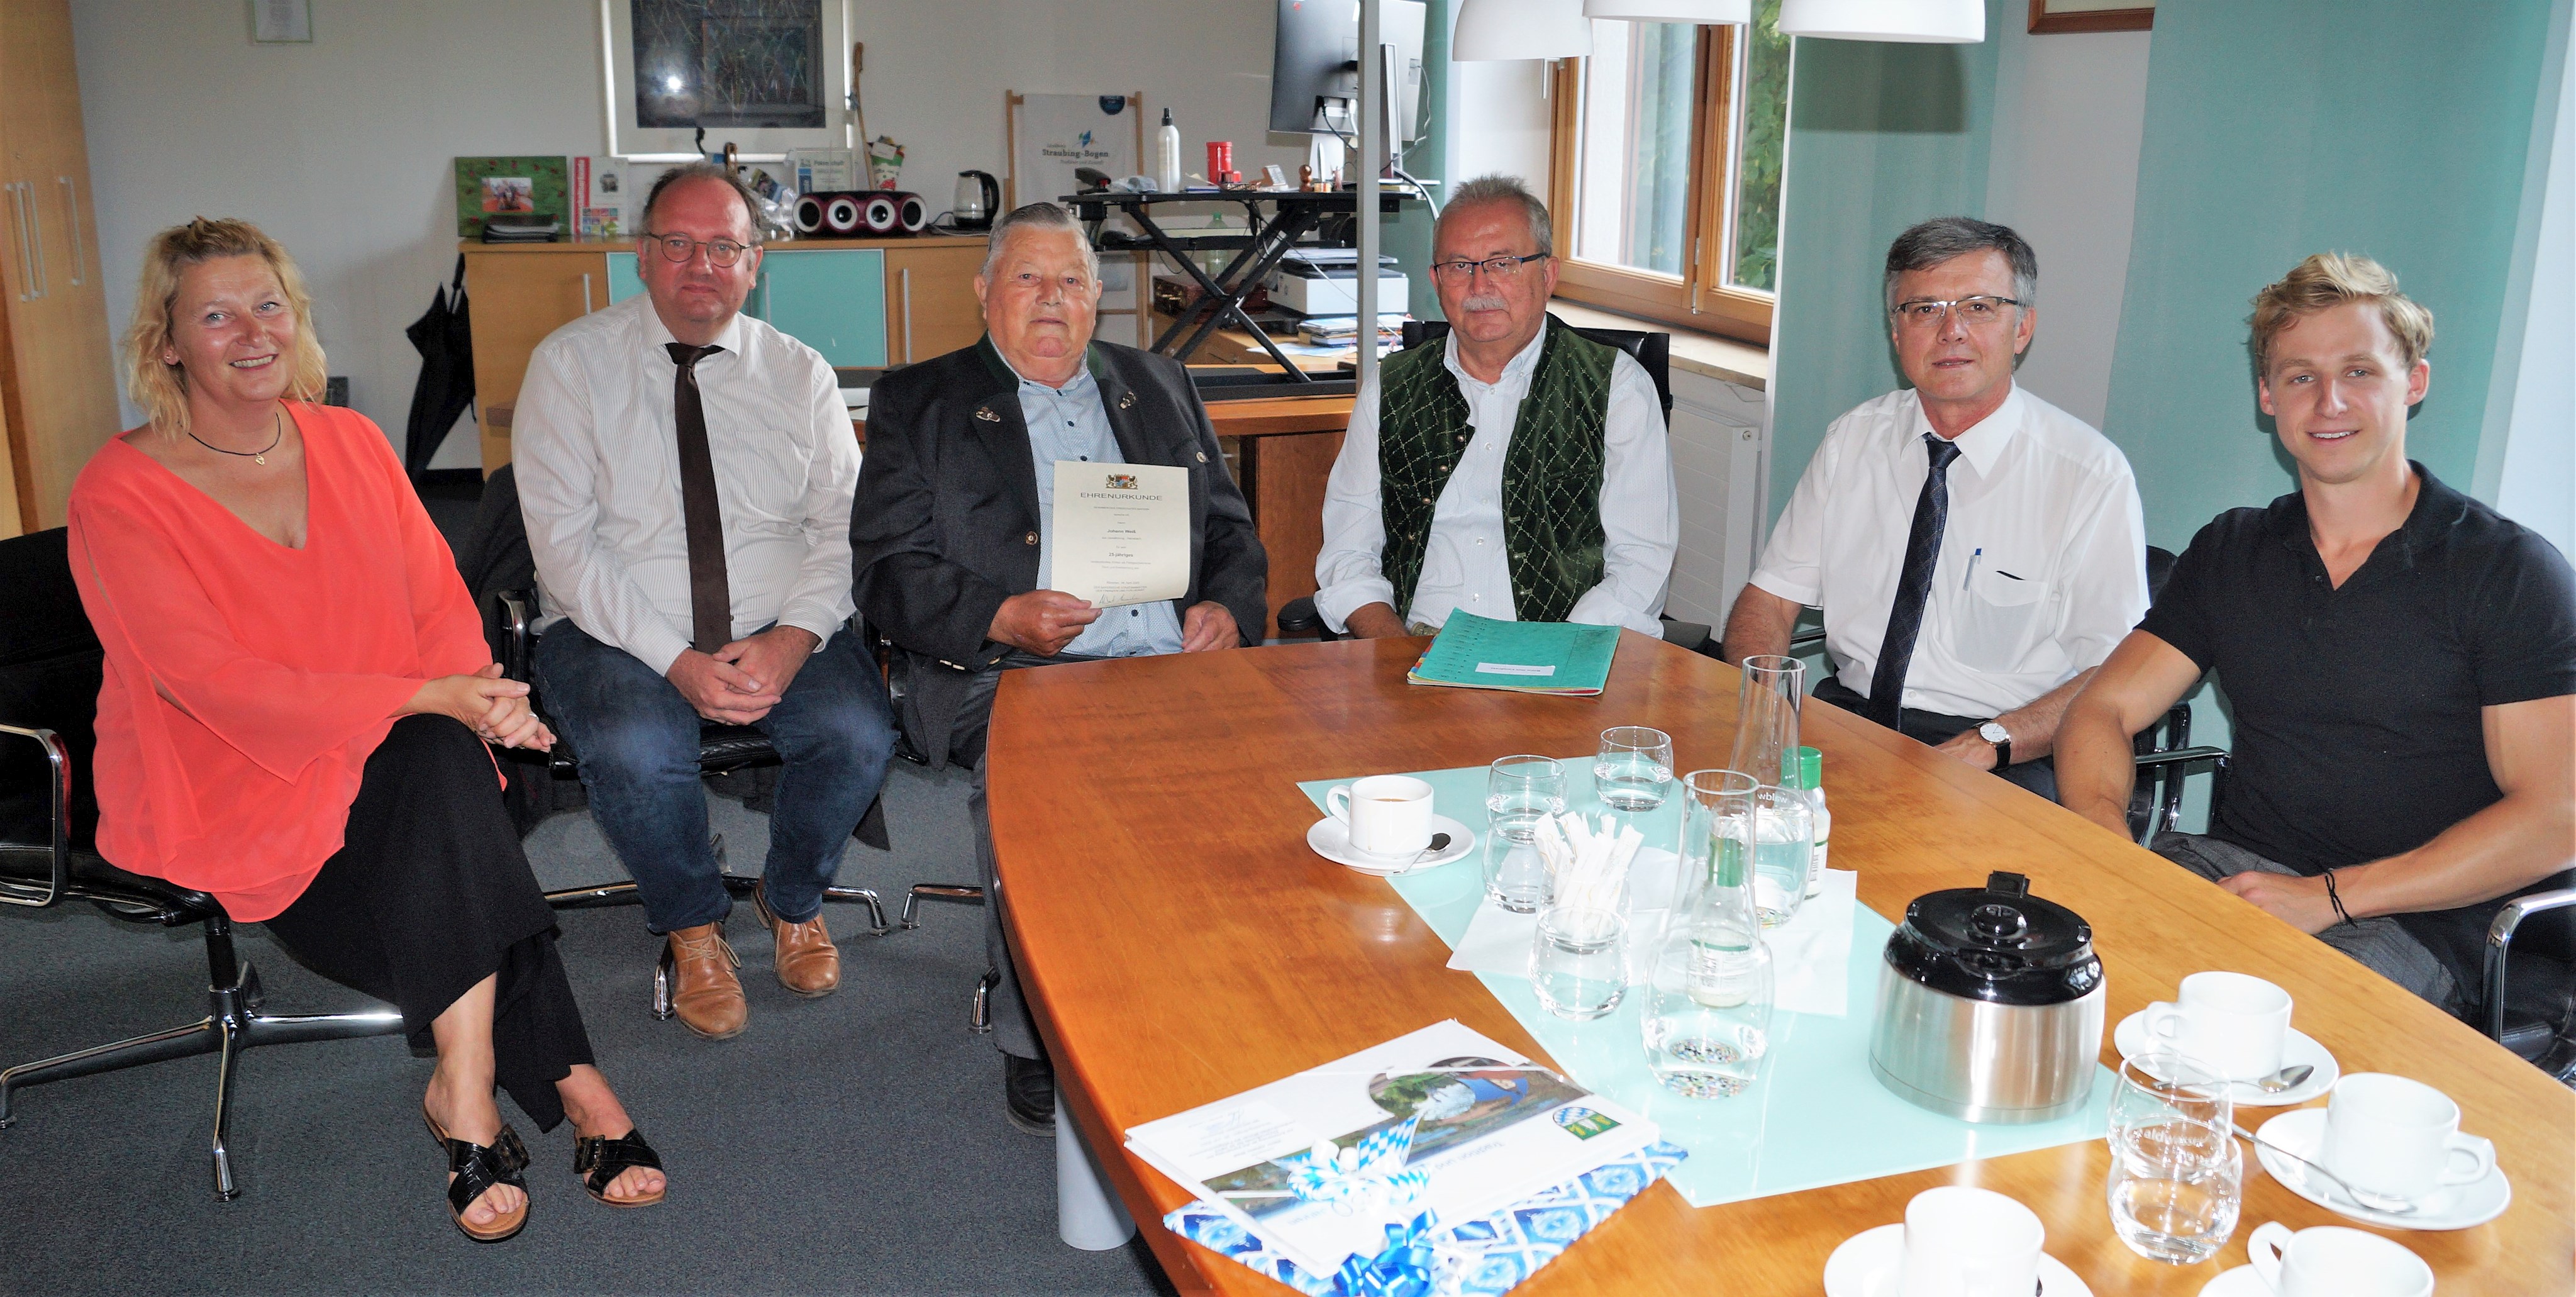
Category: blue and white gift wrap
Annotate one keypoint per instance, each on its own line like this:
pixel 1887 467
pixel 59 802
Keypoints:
pixel 1479 1258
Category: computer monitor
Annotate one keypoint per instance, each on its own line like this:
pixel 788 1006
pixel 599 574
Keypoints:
pixel 1314 72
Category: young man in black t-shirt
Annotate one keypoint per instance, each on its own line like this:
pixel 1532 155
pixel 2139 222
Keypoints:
pixel 2401 658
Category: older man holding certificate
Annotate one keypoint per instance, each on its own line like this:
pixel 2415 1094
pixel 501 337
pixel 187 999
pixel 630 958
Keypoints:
pixel 1040 497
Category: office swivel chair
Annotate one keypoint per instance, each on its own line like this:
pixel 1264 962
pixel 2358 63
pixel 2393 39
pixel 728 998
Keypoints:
pixel 1652 352
pixel 49 679
pixel 498 558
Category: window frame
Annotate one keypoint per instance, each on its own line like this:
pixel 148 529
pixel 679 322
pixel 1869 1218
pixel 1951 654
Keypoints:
pixel 1701 299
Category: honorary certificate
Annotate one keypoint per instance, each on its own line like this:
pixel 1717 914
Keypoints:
pixel 1121 532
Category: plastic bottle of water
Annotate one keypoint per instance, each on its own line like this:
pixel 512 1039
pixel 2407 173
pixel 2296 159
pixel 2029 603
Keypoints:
pixel 1811 776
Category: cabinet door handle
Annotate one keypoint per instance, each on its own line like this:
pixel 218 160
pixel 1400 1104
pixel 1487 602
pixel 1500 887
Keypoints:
pixel 585 292
pixel 36 231
pixel 26 267
pixel 71 216
pixel 903 279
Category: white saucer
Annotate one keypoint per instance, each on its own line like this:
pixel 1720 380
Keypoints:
pixel 2239 1282
pixel 1331 839
pixel 2456 1206
pixel 2130 1037
pixel 1866 1266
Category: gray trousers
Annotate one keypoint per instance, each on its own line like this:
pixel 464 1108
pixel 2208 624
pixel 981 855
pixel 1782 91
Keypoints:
pixel 1014 1031
pixel 2380 944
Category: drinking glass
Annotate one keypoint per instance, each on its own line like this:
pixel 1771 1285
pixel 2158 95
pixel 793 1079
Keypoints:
pixel 1634 769
pixel 1784 838
pixel 1579 960
pixel 1520 790
pixel 1766 718
pixel 2177 1179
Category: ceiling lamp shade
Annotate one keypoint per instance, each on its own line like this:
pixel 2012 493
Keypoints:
pixel 1671 11
pixel 1496 30
pixel 1925 22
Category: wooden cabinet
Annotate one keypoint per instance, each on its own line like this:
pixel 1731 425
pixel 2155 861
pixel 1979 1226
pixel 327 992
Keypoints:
pixel 930 300
pixel 57 378
pixel 865 303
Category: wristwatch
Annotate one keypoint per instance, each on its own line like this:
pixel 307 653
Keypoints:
pixel 1995 733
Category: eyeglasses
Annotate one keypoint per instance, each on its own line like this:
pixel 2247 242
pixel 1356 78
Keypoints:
pixel 1494 267
pixel 1972 311
pixel 680 247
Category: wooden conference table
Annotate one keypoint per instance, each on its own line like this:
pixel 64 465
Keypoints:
pixel 1181 944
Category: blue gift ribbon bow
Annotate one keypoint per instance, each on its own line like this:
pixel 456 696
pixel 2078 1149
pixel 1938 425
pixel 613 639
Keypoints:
pixel 1401 1269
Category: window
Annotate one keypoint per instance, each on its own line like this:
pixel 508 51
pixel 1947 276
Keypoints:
pixel 1666 189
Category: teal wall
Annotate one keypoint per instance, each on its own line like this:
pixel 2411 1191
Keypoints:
pixel 2384 127
pixel 1880 136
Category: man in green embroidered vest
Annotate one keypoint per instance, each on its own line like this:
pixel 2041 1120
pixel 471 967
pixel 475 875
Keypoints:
pixel 1515 471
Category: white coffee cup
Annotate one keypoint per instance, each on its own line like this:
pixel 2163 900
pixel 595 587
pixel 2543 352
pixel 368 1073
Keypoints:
pixel 2331 1261
pixel 2390 1135
pixel 1963 1242
pixel 2230 1023
pixel 1389 815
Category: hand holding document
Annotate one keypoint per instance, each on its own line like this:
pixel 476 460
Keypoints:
pixel 1119 533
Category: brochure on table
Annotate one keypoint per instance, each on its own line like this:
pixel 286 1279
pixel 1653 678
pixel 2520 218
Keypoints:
pixel 1815 1117
pixel 1439 1126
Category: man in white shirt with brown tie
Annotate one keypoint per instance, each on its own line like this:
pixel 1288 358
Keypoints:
pixel 1977 551
pixel 686 475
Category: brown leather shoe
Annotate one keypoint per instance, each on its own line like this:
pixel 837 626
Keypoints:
pixel 807 961
pixel 704 991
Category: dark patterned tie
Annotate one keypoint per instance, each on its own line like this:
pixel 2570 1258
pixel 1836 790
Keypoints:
pixel 1913 587
pixel 710 594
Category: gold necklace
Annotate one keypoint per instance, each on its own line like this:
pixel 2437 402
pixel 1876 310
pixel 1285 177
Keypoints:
pixel 259 456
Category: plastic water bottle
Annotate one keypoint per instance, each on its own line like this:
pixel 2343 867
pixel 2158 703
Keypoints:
pixel 1811 776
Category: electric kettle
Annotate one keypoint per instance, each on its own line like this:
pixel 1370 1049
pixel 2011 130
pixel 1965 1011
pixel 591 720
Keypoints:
pixel 979 199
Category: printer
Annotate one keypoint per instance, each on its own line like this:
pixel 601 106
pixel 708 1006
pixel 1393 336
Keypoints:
pixel 1325 281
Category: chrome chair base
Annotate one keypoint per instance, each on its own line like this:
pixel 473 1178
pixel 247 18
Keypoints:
pixel 233 1023
pixel 959 893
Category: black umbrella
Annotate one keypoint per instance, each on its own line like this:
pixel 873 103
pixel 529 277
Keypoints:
pixel 444 336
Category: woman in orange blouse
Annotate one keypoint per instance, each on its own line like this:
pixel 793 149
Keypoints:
pixel 296 685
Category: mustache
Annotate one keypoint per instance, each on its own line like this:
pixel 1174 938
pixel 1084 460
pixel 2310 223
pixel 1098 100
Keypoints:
pixel 1487 302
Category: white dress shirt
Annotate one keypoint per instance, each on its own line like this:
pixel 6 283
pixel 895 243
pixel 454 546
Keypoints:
pixel 2043 559
pixel 597 448
pixel 1464 564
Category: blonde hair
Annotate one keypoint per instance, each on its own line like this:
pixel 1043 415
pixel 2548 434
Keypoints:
pixel 161 388
pixel 2327 280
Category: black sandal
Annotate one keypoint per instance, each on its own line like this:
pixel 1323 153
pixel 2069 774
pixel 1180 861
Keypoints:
pixel 599 1160
pixel 479 1167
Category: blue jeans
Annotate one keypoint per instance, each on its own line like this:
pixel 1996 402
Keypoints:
pixel 637 739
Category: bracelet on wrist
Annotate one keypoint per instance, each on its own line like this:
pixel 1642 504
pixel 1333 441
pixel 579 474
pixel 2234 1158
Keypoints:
pixel 2335 898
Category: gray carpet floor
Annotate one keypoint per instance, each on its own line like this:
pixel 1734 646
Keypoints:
pixel 854 1144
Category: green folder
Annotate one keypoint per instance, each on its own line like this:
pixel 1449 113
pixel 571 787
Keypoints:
pixel 1530 657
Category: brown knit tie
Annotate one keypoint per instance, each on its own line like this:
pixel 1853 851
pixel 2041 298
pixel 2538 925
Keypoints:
pixel 710 595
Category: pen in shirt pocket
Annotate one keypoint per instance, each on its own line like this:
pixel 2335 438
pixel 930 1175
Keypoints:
pixel 1972 568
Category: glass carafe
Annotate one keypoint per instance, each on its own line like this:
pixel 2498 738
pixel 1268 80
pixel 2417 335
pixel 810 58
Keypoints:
pixel 1707 1017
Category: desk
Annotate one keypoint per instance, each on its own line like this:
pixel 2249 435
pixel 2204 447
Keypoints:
pixel 1180 944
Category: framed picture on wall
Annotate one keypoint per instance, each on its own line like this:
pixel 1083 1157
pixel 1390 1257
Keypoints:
pixel 766 76
pixel 2092 15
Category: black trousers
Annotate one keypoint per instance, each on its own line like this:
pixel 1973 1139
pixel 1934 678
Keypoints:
pixel 428 895
pixel 1936 728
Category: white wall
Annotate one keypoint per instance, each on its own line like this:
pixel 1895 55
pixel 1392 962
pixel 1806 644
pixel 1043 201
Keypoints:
pixel 2538 485
pixel 2070 110
pixel 343 149
pixel 1503 124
